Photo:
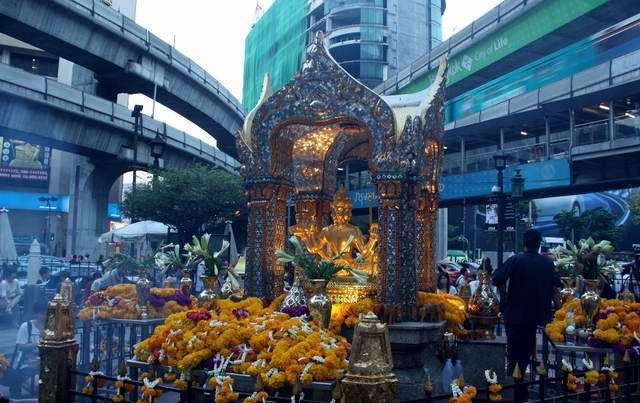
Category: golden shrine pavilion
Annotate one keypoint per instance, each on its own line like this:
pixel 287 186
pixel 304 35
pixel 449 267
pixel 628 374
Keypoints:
pixel 291 145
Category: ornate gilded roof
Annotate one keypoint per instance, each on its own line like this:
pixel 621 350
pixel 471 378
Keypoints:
pixel 321 96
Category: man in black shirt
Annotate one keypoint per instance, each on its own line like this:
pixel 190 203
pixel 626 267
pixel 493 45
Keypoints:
pixel 530 279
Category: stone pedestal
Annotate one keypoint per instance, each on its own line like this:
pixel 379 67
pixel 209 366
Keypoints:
pixel 56 362
pixel 415 346
pixel 479 355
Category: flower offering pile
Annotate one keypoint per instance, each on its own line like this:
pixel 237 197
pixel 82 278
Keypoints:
pixel 447 307
pixel 247 338
pixel 617 325
pixel 119 302
pixel 454 312
pixel 347 315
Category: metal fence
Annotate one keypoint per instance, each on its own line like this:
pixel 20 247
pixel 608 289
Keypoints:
pixel 546 388
pixel 547 381
pixel 103 388
pixel 111 342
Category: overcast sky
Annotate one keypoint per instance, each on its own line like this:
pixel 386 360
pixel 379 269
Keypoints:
pixel 212 33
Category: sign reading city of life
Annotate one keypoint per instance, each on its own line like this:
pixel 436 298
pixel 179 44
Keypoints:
pixel 24 163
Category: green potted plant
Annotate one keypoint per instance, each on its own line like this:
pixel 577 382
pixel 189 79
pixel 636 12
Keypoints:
pixel 591 263
pixel 319 272
pixel 200 250
pixel 170 256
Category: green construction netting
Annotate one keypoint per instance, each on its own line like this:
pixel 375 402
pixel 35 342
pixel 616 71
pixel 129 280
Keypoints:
pixel 275 45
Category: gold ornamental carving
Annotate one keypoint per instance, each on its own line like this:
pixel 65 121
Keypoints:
pixel 370 378
pixel 58 351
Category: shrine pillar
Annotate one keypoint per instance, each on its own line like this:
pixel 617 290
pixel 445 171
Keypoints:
pixel 267 228
pixel 426 239
pixel 396 264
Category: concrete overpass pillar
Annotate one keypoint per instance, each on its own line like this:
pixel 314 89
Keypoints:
pixel 88 206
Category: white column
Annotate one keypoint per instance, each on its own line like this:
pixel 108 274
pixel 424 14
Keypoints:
pixel 442 234
pixel 33 265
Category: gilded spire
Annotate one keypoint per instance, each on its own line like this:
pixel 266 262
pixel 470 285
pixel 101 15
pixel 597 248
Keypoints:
pixel 248 122
pixel 342 196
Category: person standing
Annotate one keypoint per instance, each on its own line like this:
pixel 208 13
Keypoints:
pixel 26 359
pixel 486 265
pixel 10 292
pixel 530 280
pixel 199 284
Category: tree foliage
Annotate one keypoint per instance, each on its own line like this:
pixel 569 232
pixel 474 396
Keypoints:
pixel 189 200
pixel 597 223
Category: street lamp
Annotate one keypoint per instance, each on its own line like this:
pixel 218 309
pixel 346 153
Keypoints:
pixel 157 149
pixel 517 192
pixel 136 113
pixel 48 201
pixel 500 161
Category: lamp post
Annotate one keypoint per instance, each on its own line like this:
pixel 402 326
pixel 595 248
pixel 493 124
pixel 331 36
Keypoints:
pixel 47 228
pixel 136 113
pixel 517 192
pixel 157 149
pixel 500 161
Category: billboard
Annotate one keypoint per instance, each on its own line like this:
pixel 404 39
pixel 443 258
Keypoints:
pixel 542 212
pixel 23 163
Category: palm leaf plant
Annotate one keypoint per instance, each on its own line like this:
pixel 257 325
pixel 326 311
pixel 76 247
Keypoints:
pixel 169 256
pixel 201 250
pixel 314 268
pixel 124 263
pixel 588 258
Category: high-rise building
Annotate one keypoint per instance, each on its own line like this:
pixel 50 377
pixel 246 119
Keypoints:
pixel 371 39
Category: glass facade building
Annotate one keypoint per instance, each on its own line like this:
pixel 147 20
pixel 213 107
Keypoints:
pixel 369 38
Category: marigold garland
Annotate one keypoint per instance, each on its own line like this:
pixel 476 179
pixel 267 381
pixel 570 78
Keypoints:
pixel 461 393
pixel 150 389
pixel 257 397
pixel 119 301
pixel 348 315
pixel 616 322
pixel 224 391
pixel 122 387
pixel 246 337
pixel 89 379
pixel 454 313
pixel 494 387
pixel 572 382
pixel 592 377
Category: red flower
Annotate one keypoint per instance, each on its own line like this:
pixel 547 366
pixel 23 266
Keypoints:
pixel 96 299
pixel 197 316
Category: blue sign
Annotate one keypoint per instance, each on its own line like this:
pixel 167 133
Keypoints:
pixel 360 197
pixel 31 201
pixel 113 210
pixel 538 175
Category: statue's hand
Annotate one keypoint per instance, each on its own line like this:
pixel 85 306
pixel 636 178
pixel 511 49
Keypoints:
pixel 374 232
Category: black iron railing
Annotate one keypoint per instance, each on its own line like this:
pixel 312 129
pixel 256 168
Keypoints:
pixel 111 341
pixel 103 389
pixel 545 388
